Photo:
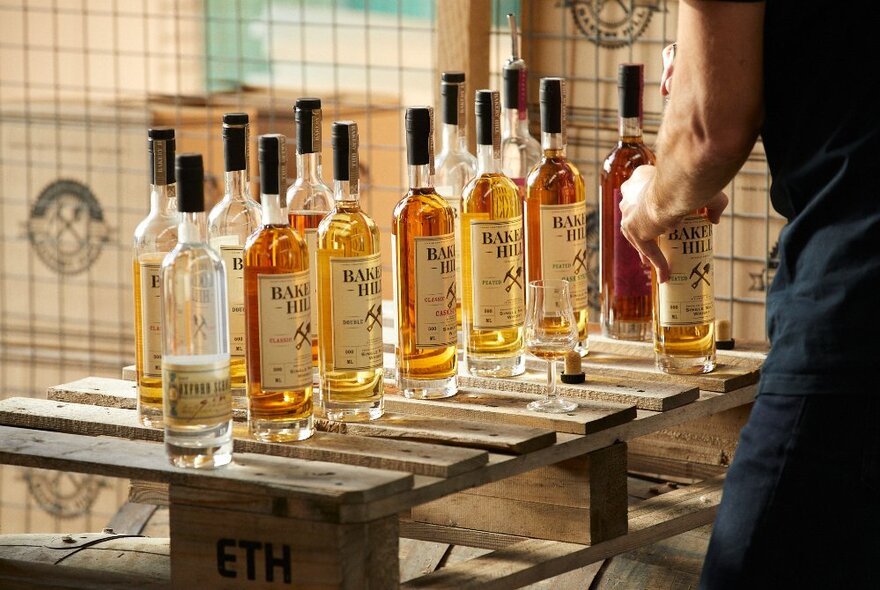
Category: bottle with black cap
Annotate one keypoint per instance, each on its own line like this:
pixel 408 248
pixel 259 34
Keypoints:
pixel 556 210
pixel 624 282
pixel 154 237
pixel 230 222
pixel 195 347
pixel 423 238
pixel 349 294
pixel 309 198
pixel 519 150
pixel 493 302
pixel 277 312
pixel 456 166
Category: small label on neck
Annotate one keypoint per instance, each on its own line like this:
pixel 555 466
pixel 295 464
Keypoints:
pixel 496 126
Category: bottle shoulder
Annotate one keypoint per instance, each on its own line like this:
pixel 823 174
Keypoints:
pixel 424 202
pixel 552 172
pixel 234 217
pixel 156 232
pixel 304 195
pixel 628 155
pixel 193 255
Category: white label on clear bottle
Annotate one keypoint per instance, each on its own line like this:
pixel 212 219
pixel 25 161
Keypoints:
pixel 435 291
pixel 448 193
pixel 312 244
pixel 151 317
pixel 687 298
pixel 231 253
pixel 198 393
pixel 356 302
pixel 564 248
pixel 497 273
pixel 284 318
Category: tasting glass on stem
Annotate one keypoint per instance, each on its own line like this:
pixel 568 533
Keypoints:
pixel 550 332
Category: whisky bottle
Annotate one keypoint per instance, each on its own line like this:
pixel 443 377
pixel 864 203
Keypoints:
pixel 230 222
pixel 456 166
pixel 684 306
pixel 492 249
pixel 556 210
pixel 195 347
pixel 349 295
pixel 277 312
pixel 309 199
pixel 519 150
pixel 154 237
pixel 624 282
pixel 423 236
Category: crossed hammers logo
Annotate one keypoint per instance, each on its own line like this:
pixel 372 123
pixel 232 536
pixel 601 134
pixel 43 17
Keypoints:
pixel 514 277
pixel 450 295
pixel 302 334
pixel 374 316
pixel 701 276
pixel 580 262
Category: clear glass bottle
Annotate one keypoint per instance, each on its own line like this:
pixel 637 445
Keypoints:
pixel 154 237
pixel 456 166
pixel 556 210
pixel 309 198
pixel 230 223
pixel 519 150
pixel 624 282
pixel 278 312
pixel 493 303
pixel 423 236
pixel 349 295
pixel 195 347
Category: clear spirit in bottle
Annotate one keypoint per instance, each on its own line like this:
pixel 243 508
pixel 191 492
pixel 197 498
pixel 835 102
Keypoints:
pixel 556 210
pixel 493 303
pixel 349 295
pixel 624 282
pixel 195 347
pixel 519 150
pixel 278 312
pixel 155 236
pixel 230 222
pixel 309 198
pixel 424 273
pixel 456 166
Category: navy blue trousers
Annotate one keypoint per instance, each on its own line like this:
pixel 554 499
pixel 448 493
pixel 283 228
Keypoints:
pixel 801 502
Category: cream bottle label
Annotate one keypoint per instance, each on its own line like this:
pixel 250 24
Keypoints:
pixel 497 273
pixel 435 291
pixel 231 253
pixel 356 303
pixel 564 248
pixel 284 315
pixel 687 298
pixel 454 200
pixel 151 317
pixel 197 393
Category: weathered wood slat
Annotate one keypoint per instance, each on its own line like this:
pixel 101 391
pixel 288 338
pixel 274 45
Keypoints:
pixel 421 458
pixel 495 406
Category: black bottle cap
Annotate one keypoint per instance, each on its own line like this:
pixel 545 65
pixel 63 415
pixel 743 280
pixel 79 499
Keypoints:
pixel 418 136
pixel 630 80
pixel 235 140
pixel 344 137
pixel 552 93
pixel 273 164
pixel 450 89
pixel 487 118
pixel 307 114
pixel 514 85
pixel 190 183
pixel 160 147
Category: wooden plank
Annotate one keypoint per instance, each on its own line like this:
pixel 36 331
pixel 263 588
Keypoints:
pixel 148 492
pixel 424 459
pixel 418 558
pixel 437 533
pixel 533 560
pixel 495 406
pixel 686 472
pixel 131 518
pixel 750 355
pixel 44 576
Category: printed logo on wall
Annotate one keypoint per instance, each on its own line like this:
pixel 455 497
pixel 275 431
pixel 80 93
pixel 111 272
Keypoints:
pixel 612 23
pixel 67 228
pixel 64 495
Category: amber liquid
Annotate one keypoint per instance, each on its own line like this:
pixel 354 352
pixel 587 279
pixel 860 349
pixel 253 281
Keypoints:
pixel 489 196
pixel 555 181
pixel 273 249
pixel 353 394
pixel 300 222
pixel 421 212
pixel 149 388
pixel 623 316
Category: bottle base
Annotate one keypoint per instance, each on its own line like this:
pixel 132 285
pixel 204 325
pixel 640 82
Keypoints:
pixel 151 418
pixel 428 388
pixel 200 448
pixel 553 405
pixel 632 331
pixel 354 412
pixel 510 366
pixel 686 365
pixel 280 430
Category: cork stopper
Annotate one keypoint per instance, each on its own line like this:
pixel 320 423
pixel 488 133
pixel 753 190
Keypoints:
pixel 573 373
pixel 723 340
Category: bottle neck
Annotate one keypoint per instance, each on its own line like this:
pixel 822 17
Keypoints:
pixel 630 128
pixel 272 213
pixel 308 167
pixel 342 192
pixel 236 185
pixel 553 144
pixel 514 123
pixel 420 176
pixel 192 228
pixel 487 163
pixel 454 138
pixel 163 199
